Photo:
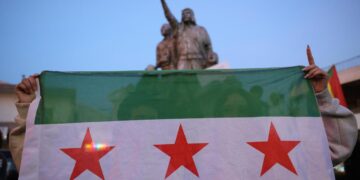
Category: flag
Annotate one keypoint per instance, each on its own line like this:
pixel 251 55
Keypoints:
pixel 208 124
pixel 334 86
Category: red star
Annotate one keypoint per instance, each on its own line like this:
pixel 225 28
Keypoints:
pixel 275 151
pixel 87 157
pixel 181 153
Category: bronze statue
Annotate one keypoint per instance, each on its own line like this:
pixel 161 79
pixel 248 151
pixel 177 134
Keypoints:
pixel 192 45
pixel 165 55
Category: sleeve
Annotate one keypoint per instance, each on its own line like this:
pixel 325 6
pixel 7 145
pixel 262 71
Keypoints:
pixel 206 39
pixel 340 126
pixel 17 135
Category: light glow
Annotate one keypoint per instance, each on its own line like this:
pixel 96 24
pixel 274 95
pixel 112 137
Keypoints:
pixel 95 147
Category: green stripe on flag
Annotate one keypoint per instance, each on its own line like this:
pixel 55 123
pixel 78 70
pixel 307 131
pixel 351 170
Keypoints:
pixel 70 97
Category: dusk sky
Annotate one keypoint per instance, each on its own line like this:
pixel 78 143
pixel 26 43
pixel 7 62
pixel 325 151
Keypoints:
pixel 110 35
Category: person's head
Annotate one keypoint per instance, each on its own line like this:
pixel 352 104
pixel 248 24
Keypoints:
pixel 166 30
pixel 256 91
pixel 188 16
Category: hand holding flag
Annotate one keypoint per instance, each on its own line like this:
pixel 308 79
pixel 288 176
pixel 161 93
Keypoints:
pixel 25 90
pixel 316 75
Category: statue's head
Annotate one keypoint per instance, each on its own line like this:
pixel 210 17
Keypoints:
pixel 166 30
pixel 188 16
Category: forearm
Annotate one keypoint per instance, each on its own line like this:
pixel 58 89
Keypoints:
pixel 340 125
pixel 17 135
pixel 169 16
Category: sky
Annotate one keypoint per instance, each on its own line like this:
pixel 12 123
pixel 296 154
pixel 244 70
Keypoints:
pixel 119 35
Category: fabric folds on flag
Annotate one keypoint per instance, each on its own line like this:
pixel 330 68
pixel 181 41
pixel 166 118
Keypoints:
pixel 211 124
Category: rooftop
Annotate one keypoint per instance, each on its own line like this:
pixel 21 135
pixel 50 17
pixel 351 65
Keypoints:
pixel 6 88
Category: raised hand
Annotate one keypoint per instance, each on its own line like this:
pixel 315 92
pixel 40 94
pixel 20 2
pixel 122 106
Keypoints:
pixel 316 75
pixel 25 90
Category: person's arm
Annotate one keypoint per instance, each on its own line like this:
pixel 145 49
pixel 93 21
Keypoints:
pixel 212 57
pixel 17 135
pixel 169 16
pixel 207 41
pixel 340 123
pixel 25 92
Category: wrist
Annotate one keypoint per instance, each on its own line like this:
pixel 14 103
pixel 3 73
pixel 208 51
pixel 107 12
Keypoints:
pixel 324 97
pixel 22 109
pixel 25 98
pixel 320 86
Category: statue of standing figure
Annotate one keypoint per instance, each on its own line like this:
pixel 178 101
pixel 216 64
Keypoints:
pixel 165 55
pixel 191 43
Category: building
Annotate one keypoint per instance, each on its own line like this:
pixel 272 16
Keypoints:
pixel 7 100
pixel 7 108
pixel 7 111
pixel 349 75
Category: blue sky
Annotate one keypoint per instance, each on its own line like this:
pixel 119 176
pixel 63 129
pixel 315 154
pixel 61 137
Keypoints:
pixel 114 35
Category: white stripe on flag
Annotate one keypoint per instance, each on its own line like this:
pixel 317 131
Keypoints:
pixel 227 155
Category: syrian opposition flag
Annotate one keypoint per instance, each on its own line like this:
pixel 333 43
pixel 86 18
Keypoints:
pixel 211 124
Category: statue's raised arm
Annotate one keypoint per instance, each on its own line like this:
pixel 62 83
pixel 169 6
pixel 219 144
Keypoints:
pixel 169 16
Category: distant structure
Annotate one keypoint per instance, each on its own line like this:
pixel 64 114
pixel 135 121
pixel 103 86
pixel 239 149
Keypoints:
pixel 7 111
pixel 165 55
pixel 192 46
pixel 349 75
pixel 7 101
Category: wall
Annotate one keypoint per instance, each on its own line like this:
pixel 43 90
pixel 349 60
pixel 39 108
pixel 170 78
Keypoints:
pixel 7 107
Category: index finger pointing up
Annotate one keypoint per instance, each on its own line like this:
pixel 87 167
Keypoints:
pixel 309 55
